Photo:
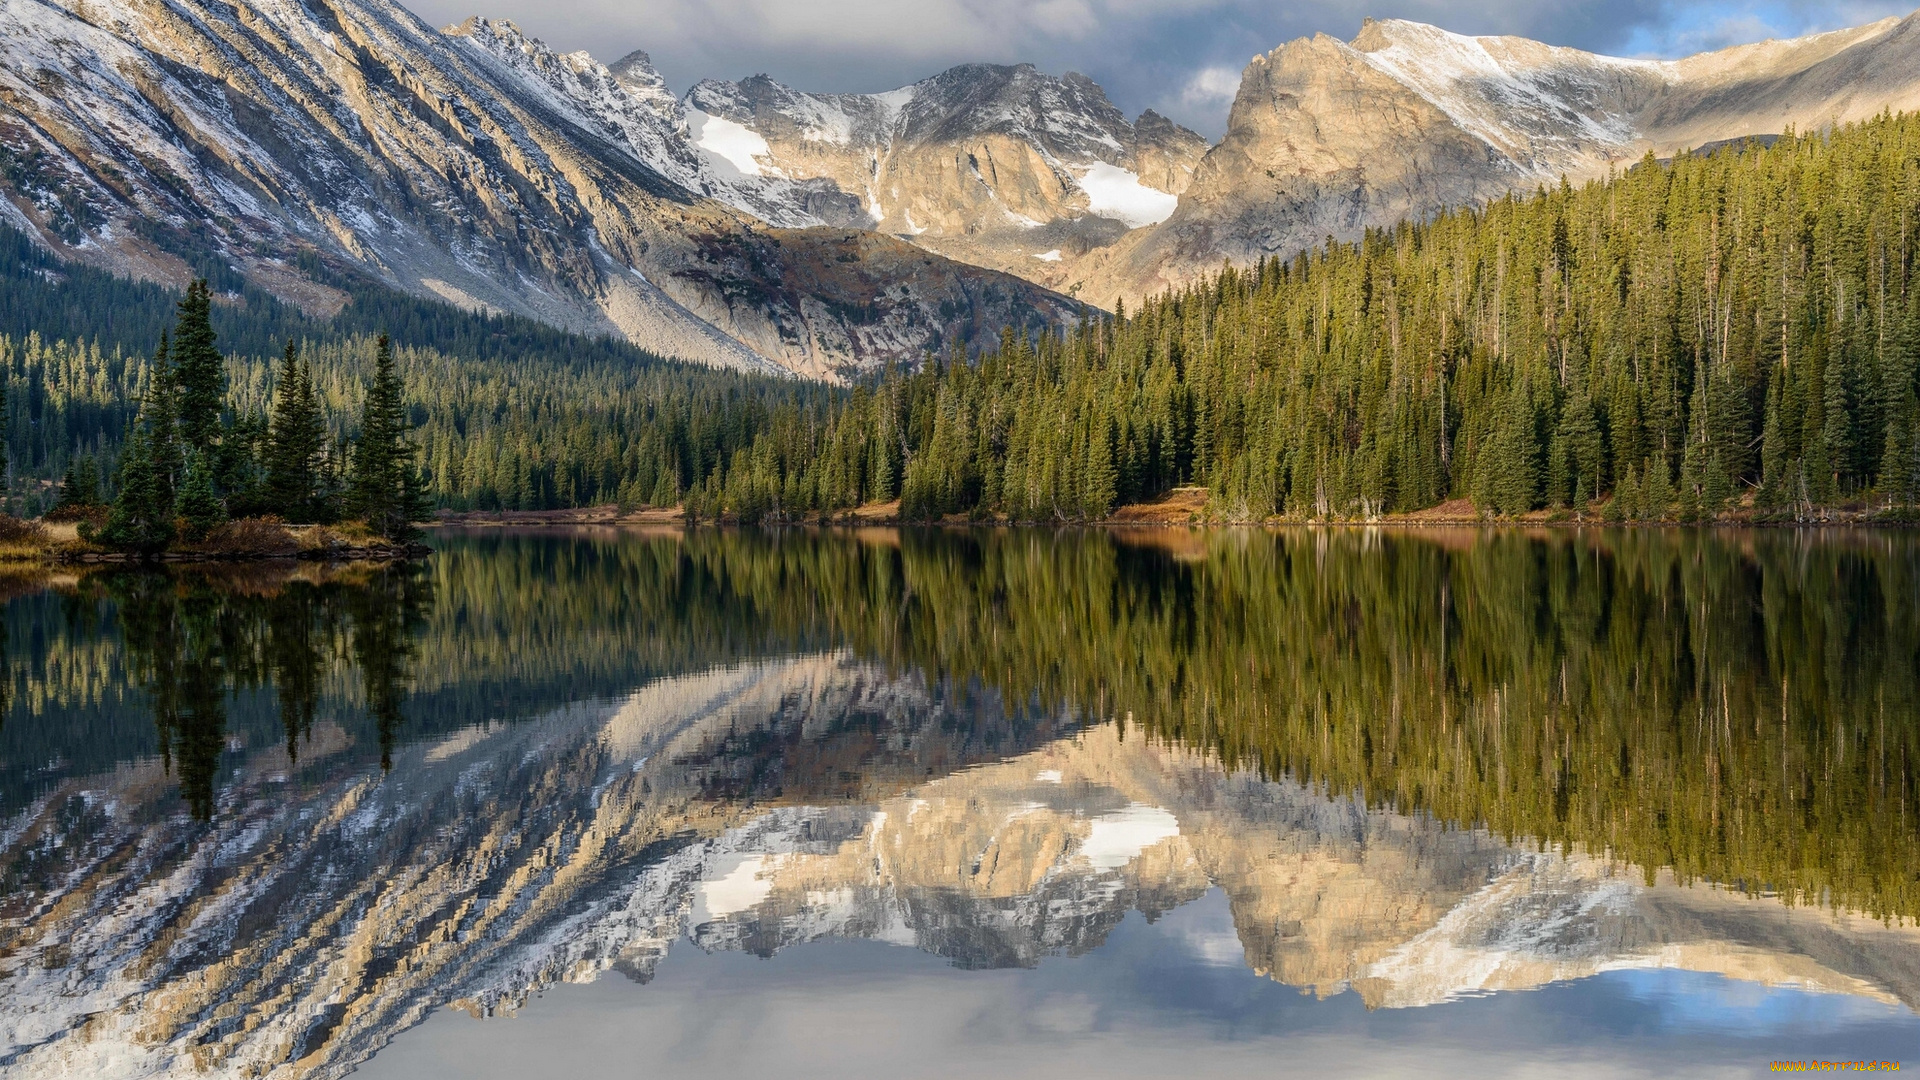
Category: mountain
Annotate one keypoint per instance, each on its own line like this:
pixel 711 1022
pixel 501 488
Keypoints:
pixel 753 225
pixel 474 164
pixel 1004 167
pixel 1329 138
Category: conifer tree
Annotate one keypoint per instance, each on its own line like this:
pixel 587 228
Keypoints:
pixel 296 442
pixel 199 506
pixel 141 519
pixel 1659 489
pixel 1836 432
pixel 142 516
pixel 200 374
pixel 386 489
pixel 1773 438
pixel 80 488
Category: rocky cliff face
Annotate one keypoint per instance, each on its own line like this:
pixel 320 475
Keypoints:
pixel 1327 138
pixel 474 164
pixel 1004 167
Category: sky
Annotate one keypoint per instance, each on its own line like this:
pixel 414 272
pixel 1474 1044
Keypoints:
pixel 1182 58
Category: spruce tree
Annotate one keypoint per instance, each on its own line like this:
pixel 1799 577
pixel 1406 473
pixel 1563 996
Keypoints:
pixel 296 442
pixel 141 519
pixel 158 412
pixel 386 490
pixel 1836 432
pixel 200 374
pixel 1659 489
pixel 1773 438
pixel 80 488
pixel 199 505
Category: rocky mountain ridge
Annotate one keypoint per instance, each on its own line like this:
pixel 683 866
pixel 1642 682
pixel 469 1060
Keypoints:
pixel 754 225
pixel 474 165
pixel 1329 138
pixel 999 166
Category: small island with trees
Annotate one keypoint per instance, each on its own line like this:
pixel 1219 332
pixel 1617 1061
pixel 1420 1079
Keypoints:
pixel 200 479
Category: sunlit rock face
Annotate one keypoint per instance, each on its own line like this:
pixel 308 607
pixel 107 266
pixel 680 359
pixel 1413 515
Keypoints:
pixel 757 808
pixel 473 164
pixel 1328 138
pixel 1005 167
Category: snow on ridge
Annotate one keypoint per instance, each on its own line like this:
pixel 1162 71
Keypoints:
pixel 1512 93
pixel 1118 193
pixel 723 141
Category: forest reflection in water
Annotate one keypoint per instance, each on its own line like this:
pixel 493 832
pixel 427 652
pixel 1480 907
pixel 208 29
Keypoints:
pixel 1733 708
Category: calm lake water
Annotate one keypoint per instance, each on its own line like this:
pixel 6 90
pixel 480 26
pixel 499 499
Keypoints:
pixel 970 803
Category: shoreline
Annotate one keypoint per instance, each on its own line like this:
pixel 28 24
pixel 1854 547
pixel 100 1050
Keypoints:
pixel 1182 510
pixel 58 544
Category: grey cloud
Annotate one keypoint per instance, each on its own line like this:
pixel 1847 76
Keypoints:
pixel 1176 56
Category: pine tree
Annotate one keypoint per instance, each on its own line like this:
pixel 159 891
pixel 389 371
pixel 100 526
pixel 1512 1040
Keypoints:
pixel 386 490
pixel 141 519
pixel 1098 493
pixel 1773 461
pixel 159 412
pixel 142 516
pixel 200 375
pixel 80 488
pixel 1836 432
pixel 296 442
pixel 1659 489
pixel 199 505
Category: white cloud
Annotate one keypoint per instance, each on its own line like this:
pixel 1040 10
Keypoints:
pixel 1211 86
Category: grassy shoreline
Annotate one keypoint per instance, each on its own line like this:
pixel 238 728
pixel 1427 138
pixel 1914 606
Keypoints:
pixel 248 540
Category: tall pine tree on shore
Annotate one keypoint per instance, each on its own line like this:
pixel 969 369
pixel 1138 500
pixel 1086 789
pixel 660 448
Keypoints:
pixel 200 375
pixel 386 490
pixel 296 445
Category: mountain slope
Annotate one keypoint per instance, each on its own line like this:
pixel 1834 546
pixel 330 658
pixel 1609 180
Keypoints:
pixel 1328 138
pixel 1004 167
pixel 475 165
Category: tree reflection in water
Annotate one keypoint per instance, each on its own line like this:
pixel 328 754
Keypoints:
pixel 195 637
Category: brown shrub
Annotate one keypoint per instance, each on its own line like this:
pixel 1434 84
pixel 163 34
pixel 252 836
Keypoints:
pixel 15 531
pixel 93 515
pixel 250 536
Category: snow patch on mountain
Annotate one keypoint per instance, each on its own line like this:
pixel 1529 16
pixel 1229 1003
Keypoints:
pixel 739 884
pixel 1117 193
pixel 728 144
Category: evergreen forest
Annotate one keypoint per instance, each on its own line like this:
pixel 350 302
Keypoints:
pixel 1731 330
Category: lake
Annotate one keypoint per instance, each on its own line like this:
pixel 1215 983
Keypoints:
pixel 959 803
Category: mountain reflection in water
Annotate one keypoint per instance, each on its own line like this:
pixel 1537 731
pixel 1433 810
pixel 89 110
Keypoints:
pixel 261 824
